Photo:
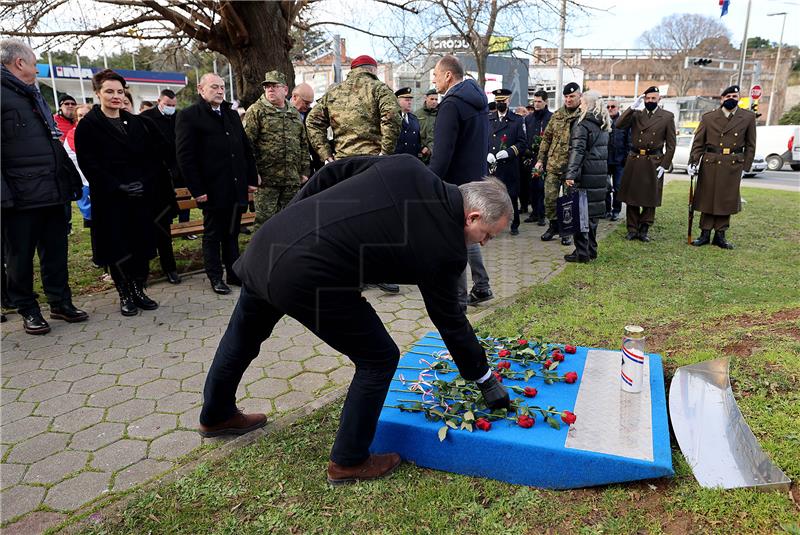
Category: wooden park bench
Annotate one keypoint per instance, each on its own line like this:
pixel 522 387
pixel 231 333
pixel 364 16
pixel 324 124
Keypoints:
pixel 187 202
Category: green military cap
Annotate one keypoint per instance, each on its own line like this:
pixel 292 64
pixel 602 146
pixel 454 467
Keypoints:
pixel 430 92
pixel 403 92
pixel 274 77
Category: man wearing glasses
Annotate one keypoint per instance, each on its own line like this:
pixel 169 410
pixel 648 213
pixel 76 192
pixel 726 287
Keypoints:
pixel 65 116
pixel 619 144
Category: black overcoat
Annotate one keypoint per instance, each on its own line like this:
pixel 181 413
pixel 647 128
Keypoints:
pixel 214 155
pixel 368 219
pixel 166 126
pixel 507 133
pixel 588 162
pixel 121 226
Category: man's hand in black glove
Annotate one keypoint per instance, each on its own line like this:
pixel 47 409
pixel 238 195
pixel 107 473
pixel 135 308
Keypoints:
pixel 133 189
pixel 494 393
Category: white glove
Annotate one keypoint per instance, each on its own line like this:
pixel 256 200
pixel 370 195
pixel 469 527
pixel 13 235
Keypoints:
pixel 490 158
pixel 660 171
pixel 638 104
pixel 502 155
pixel 692 169
pixel 742 174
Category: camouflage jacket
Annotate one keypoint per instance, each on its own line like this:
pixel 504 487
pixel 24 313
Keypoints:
pixel 363 114
pixel 427 120
pixel 279 142
pixel 554 147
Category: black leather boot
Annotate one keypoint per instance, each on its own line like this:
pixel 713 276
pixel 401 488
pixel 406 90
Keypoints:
pixel 703 239
pixel 720 241
pixel 551 231
pixel 127 306
pixel 643 233
pixel 140 298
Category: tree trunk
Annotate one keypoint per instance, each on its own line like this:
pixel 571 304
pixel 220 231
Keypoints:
pixel 262 45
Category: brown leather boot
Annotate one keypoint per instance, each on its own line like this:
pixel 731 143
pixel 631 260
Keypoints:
pixel 373 468
pixel 238 424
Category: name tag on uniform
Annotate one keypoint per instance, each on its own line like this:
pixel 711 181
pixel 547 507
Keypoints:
pixel 726 151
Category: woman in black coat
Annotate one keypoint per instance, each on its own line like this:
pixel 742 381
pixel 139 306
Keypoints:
pixel 117 152
pixel 587 170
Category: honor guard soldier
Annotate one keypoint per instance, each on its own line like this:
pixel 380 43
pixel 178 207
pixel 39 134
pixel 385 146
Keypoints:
pixel 506 143
pixel 723 149
pixel 653 144
pixel 409 141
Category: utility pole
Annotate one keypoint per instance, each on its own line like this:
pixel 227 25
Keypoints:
pixel 560 66
pixel 80 75
pixel 777 63
pixel 337 59
pixel 744 45
pixel 53 79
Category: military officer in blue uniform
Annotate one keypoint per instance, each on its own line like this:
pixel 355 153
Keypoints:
pixel 409 141
pixel 506 145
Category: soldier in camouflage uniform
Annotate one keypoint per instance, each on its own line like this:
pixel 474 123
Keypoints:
pixel 278 138
pixel 362 112
pixel 554 155
pixel 427 120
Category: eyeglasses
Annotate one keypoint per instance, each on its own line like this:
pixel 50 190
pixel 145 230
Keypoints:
pixel 610 107
pixel 68 104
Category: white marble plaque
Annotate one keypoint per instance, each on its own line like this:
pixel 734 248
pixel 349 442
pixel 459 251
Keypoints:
pixel 611 420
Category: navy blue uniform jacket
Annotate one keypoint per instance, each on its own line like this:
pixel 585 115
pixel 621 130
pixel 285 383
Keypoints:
pixel 408 142
pixel 369 219
pixel 507 134
pixel 461 134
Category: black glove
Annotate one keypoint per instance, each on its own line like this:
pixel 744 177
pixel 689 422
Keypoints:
pixel 134 189
pixel 494 393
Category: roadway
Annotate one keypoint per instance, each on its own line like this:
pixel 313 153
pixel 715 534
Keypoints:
pixel 783 180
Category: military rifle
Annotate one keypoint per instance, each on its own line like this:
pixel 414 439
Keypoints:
pixel 691 201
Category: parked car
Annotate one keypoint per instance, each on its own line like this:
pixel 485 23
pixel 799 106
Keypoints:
pixel 780 144
pixel 683 145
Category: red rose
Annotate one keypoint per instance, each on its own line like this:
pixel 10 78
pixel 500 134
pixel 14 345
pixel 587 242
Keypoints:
pixel 525 421
pixel 504 364
pixel 530 392
pixel 571 377
pixel 503 138
pixel 499 377
pixel 504 353
pixel 557 356
pixel 568 417
pixel 522 342
pixel 547 363
pixel 570 349
pixel 483 424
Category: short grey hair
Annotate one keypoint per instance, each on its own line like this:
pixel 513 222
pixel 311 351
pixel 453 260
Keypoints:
pixel 489 197
pixel 11 49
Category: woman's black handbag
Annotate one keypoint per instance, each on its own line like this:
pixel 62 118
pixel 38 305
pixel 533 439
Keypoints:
pixel 572 209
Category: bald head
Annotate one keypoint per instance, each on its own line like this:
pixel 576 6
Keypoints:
pixel 211 88
pixel 302 97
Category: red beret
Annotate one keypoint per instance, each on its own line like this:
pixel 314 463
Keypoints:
pixel 363 60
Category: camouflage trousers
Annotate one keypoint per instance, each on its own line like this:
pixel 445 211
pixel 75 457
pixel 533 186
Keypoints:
pixel 552 184
pixel 271 200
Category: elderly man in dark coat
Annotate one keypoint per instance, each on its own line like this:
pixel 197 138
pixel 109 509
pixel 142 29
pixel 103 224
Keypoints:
pixel 653 145
pixel 724 147
pixel 506 145
pixel 217 162
pixel 357 221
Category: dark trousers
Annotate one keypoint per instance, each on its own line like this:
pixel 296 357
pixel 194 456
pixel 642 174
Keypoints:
pixel 220 235
pixel 346 322
pixel 615 172
pixel 586 242
pixel 166 255
pixel 129 269
pixel 524 187
pixel 714 222
pixel 636 216
pixel 515 201
pixel 537 197
pixel 26 232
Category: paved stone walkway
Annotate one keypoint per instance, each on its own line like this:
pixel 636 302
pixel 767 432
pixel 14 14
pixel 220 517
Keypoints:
pixel 102 406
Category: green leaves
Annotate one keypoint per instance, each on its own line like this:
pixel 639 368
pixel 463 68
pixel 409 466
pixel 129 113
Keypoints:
pixel 442 433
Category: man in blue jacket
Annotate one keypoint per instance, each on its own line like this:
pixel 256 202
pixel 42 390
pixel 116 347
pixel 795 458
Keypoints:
pixel 619 145
pixel 535 123
pixel 461 137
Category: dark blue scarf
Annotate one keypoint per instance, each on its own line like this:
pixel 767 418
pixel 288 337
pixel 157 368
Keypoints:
pixel 32 92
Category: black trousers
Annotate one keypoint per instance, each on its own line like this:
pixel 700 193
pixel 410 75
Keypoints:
pixel 166 255
pixel 537 197
pixel 524 186
pixel 346 322
pixel 43 231
pixel 586 242
pixel 636 216
pixel 221 239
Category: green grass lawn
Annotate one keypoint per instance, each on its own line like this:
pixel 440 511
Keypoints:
pixel 695 303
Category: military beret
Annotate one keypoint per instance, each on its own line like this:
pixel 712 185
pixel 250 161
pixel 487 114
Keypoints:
pixel 731 89
pixel 363 60
pixel 430 92
pixel 403 92
pixel 274 77
pixel 65 97
pixel 571 88
pixel 501 95
pixel 651 89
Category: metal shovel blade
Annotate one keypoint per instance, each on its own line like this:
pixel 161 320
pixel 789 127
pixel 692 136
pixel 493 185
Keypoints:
pixel 712 433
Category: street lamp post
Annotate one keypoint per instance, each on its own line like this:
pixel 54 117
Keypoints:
pixel 777 63
pixel 196 72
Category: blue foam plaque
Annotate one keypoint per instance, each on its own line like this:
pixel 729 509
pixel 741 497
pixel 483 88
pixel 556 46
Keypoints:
pixel 543 456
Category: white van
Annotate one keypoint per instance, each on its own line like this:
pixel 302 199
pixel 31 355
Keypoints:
pixel 780 144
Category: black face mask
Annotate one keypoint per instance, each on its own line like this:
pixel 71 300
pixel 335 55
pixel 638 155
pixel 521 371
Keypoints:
pixel 502 107
pixel 651 106
pixel 730 104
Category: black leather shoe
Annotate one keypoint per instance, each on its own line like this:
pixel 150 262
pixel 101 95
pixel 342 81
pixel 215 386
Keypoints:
pixel 389 288
pixel 720 241
pixel 173 277
pixel 643 234
pixel 220 287
pixel 34 323
pixel 514 231
pixel 566 240
pixel 551 231
pixel 631 235
pixel 67 312
pixel 573 257
pixel 141 299
pixel 233 280
pixel 479 296
pixel 542 222
pixel 703 239
pixel 614 216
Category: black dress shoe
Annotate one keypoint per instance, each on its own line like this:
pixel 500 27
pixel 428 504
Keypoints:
pixel 389 288
pixel 173 277
pixel 220 287
pixel 631 235
pixel 140 298
pixel 614 216
pixel 720 241
pixel 67 312
pixel 551 231
pixel 479 296
pixel 566 240
pixel 34 323
pixel 703 239
pixel 233 280
pixel 514 231
pixel 573 257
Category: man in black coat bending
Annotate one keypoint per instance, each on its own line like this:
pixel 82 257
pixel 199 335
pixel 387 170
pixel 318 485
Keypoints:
pixel 215 159
pixel 358 221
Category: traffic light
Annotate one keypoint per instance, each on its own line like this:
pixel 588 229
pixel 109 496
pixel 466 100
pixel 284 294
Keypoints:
pixel 702 61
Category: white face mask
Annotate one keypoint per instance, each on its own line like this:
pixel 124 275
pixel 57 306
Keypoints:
pixel 168 110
